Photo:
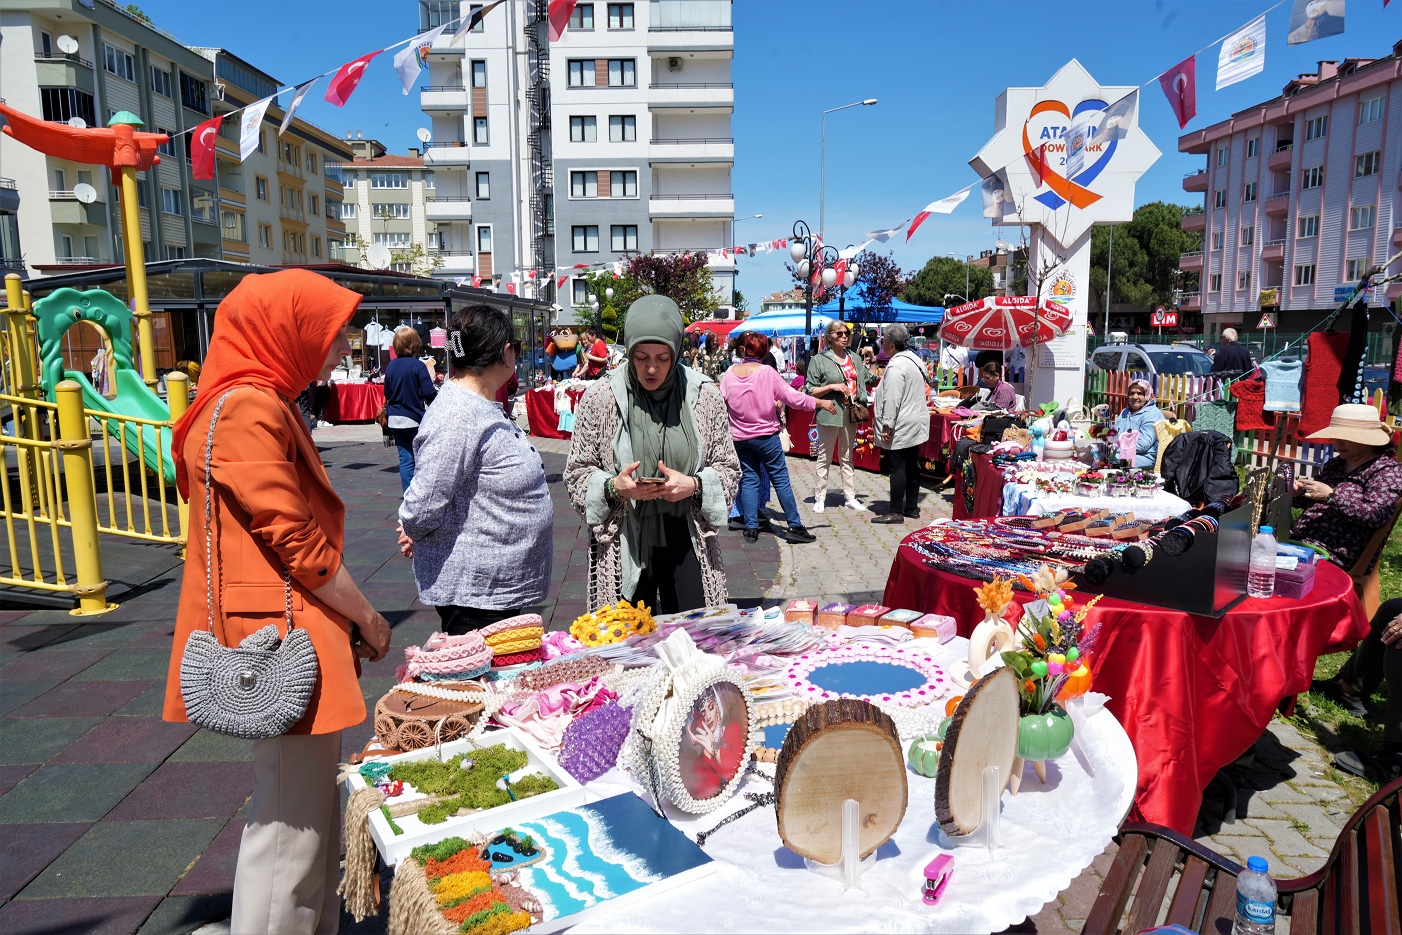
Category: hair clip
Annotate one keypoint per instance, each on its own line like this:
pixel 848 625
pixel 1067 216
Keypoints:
pixel 455 344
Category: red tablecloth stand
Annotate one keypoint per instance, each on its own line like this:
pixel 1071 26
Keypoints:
pixel 984 496
pixel 1193 693
pixel 353 402
pixel 864 456
pixel 541 418
pixel 940 444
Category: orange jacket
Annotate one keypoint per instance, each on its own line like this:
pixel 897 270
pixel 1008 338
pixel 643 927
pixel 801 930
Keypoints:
pixel 272 504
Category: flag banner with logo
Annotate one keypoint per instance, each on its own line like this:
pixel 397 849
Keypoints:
pixel 1077 138
pixel 297 96
pixel 997 201
pixel 347 77
pixel 1243 53
pixel 1315 19
pixel 202 149
pixel 411 59
pixel 251 126
pixel 1179 85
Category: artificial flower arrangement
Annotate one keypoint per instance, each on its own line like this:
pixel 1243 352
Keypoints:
pixel 1049 665
pixel 1119 483
pixel 1090 483
pixel 612 623
pixel 1146 483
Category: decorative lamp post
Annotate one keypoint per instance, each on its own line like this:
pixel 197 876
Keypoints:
pixel 608 293
pixel 848 278
pixel 807 252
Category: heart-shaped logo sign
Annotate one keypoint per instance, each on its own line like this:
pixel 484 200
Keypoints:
pixel 1054 135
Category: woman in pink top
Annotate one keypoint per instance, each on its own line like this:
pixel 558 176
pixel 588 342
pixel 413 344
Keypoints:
pixel 752 392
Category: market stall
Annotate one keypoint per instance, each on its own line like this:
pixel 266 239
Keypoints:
pixel 865 455
pixel 550 410
pixel 353 402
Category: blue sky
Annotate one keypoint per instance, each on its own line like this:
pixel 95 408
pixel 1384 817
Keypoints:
pixel 936 68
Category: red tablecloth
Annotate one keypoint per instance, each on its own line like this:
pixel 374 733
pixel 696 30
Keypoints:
pixel 865 456
pixel 941 442
pixel 353 402
pixel 978 488
pixel 1193 693
pixel 541 417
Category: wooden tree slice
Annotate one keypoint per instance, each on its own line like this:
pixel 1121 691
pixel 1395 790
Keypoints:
pixel 988 717
pixel 839 750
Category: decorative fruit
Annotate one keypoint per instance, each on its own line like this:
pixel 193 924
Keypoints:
pixel 1073 654
pixel 1077 685
pixel 1044 736
pixel 944 726
pixel 924 756
pixel 1039 668
pixel 951 704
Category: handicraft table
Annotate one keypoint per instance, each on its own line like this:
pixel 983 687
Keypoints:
pixel 541 417
pixel 353 402
pixel 1023 500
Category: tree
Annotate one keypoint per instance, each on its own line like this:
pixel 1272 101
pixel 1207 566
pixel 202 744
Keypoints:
pixel 945 276
pixel 420 260
pixel 612 312
pixel 1145 262
pixel 685 278
pixel 742 304
pixel 135 12
pixel 1129 265
pixel 880 279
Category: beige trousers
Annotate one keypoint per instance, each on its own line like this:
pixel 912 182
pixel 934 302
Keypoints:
pixel 289 858
pixel 842 436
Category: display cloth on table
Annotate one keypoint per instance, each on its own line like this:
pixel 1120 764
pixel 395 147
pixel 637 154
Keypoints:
pixel 1193 692
pixel 1320 391
pixel 1282 384
pixel 1023 500
pixel 542 419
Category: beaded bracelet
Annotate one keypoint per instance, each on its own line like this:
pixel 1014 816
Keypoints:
pixel 610 491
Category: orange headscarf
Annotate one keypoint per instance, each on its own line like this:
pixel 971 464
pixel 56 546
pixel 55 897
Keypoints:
pixel 273 330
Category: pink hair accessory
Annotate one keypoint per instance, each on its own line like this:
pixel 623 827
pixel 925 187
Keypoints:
pixel 511 623
pixel 445 655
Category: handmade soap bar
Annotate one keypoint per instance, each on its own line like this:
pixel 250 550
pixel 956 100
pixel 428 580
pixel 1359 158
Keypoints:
pixel 901 618
pixel 801 612
pixel 866 615
pixel 939 626
pixel 834 615
pixel 1296 582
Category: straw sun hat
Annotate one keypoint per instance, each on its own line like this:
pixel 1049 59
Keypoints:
pixel 1355 422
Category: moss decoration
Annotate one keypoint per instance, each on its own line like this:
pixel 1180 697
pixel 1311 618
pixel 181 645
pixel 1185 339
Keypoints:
pixel 473 787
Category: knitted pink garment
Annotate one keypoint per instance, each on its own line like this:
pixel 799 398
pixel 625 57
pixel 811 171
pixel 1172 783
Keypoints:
pixel 446 655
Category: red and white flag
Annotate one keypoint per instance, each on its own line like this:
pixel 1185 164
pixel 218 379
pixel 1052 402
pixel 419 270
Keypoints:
pixel 477 282
pixel 840 267
pixel 883 236
pixel 943 206
pixel 1037 162
pixel 511 288
pixel 560 282
pixel 1179 85
pixel 344 82
pixel 202 149
pixel 532 274
pixel 560 11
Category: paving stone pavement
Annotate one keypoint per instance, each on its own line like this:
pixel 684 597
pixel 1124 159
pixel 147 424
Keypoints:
pixel 90 776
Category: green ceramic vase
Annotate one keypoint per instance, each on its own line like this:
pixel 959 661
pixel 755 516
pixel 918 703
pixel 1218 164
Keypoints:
pixel 1045 736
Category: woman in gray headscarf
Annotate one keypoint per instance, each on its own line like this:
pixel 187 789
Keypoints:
pixel 653 470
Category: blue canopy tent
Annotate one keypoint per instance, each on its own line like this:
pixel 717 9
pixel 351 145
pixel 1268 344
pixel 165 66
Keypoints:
pixel 785 323
pixel 856 307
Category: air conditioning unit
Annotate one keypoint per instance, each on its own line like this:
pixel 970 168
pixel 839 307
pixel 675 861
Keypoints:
pixel 674 64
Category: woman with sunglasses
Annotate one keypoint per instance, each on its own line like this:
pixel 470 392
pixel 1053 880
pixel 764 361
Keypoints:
pixel 835 374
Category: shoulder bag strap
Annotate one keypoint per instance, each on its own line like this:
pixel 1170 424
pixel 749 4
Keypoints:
pixel 209 525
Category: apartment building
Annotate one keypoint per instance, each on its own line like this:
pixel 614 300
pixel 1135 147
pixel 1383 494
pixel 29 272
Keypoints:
pixel 1301 195
pixel 282 205
pixel 622 145
pixel 387 200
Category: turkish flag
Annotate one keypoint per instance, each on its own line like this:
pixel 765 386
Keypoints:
pixel 202 149
pixel 511 288
pixel 560 11
pixel 344 82
pixel 1037 159
pixel 1180 86
pixel 477 282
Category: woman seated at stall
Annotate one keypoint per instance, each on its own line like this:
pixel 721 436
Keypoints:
pixel 1141 415
pixel 1001 395
pixel 1378 657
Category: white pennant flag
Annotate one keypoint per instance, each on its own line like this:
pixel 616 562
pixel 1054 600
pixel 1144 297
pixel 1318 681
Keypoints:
pixel 409 61
pixel 883 236
pixel 251 126
pixel 297 96
pixel 1243 53
pixel 848 252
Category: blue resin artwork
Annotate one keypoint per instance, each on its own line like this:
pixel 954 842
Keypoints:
pixel 774 735
pixel 864 677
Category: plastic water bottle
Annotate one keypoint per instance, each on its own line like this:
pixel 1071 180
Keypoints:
pixel 1260 578
pixel 1255 900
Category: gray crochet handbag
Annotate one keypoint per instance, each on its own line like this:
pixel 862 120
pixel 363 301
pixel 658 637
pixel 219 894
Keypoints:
pixel 260 688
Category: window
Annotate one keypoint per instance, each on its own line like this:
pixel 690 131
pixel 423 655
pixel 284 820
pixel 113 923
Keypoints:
pixel 584 185
pixel 479 129
pixel 1214 282
pixel 1304 275
pixel 479 74
pixel 1248 236
pixel 585 238
pixel 484 185
pixel 173 252
pixel 484 239
pixel 202 206
pixel 90 247
pixel 1216 240
pixel 348 210
pixel 1308 226
pixel 170 201
pixel 1368 164
pixel 60 180
pixel 262 142
pixel 1253 147
pixel 118 62
pixel 140 194
pixel 333 209
pixel 581 292
pixel 1219 198
pixel 583 129
pixel 1361 217
pixel 194 94
pixel 316 246
pixel 1222 155
pixel 430 181
pixel 63 104
pixel 1243 280
pixel 623 237
pixel 1356 269
pixel 260 188
pixel 85 178
pixel 623 184
pixel 234 226
pixel 476 26
pixel 315 204
pixel 311 163
pixel 434 13
pixel 265 236
pixel 622 73
pixel 1313 177
pixel 160 82
pixel 1370 110
pixel 390 210
pixel 1248 191
pixel 1316 127
pixel 582 17
pixel 623 129
pixel 168 147
pixel 46 45
pixel 620 16
pixel 389 180
pixel 392 239
pixel 581 72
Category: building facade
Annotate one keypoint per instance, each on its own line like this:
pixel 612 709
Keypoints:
pixel 387 200
pixel 622 144
pixel 1301 196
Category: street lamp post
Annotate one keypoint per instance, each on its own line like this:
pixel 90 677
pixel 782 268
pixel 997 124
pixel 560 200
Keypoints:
pixel 848 278
pixel 806 251
pixel 823 157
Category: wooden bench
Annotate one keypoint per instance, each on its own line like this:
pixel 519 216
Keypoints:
pixel 1175 880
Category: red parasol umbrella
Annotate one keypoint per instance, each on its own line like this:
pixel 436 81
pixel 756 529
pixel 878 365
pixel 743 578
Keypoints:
pixel 999 323
pixel 720 327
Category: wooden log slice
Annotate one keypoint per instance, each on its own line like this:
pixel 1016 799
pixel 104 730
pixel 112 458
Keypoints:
pixel 839 750
pixel 988 718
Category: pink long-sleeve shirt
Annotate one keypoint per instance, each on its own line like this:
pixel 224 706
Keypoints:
pixel 751 402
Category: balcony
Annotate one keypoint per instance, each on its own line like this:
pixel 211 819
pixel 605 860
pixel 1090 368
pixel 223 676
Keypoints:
pixel 670 40
pixel 1190 261
pixel 451 153
pixel 1195 181
pixel 443 97
pixel 1190 301
pixel 348 254
pixel 681 94
pixel 1273 250
pixel 1280 159
pixel 712 149
pixel 229 148
pixel 1195 222
pixel 1397 235
pixel 692 206
pixel 65 208
pixel 454 208
pixel 1278 204
pixel 64 71
pixel 457 264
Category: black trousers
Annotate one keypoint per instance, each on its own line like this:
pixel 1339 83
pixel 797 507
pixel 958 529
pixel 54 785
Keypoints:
pixel 671 582
pixel 460 620
pixel 904 465
pixel 1373 661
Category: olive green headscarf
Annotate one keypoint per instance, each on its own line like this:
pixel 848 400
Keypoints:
pixel 660 426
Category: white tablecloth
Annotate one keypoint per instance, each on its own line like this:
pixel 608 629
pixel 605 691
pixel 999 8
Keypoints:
pixel 1021 500
pixel 1050 833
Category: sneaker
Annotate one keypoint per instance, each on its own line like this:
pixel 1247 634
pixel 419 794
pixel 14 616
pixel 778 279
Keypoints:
pixel 889 519
pixel 751 535
pixel 855 504
pixel 1331 689
pixel 800 534
pixel 819 505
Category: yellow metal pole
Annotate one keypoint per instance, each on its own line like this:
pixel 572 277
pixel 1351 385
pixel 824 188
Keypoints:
pixel 136 276
pixel 178 396
pixel 76 444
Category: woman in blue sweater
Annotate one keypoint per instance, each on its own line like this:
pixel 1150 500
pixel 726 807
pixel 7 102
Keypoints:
pixel 408 391
pixel 1140 415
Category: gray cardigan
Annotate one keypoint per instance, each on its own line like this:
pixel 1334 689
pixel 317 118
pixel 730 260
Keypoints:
pixel 478 510
pixel 900 403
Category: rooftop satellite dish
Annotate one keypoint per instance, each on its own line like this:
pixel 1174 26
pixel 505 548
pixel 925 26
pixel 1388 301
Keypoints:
pixel 67 45
pixel 424 135
pixel 377 255
pixel 78 123
pixel 85 193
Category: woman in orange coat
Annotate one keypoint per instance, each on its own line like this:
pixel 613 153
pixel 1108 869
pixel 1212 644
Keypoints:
pixel 273 507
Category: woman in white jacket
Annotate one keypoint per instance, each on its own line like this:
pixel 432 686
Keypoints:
pixel 902 423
